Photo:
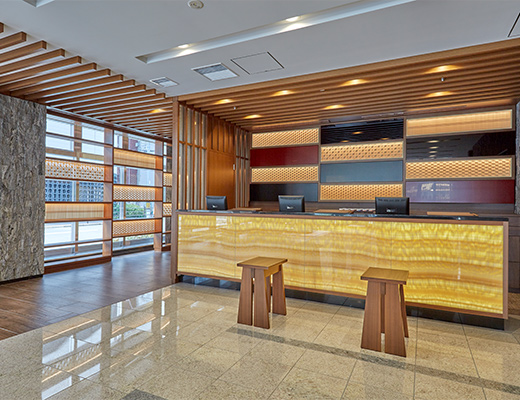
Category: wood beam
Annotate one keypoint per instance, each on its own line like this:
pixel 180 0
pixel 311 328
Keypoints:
pixel 22 51
pixel 109 92
pixel 13 40
pixel 36 70
pixel 27 62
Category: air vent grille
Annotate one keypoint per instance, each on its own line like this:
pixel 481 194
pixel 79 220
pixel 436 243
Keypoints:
pixel 215 72
pixel 163 82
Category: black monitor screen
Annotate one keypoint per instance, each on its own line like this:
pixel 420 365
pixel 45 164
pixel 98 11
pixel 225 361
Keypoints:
pixel 393 205
pixel 216 202
pixel 291 203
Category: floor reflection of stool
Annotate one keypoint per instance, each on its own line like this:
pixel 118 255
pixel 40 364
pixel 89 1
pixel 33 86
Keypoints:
pixel 385 310
pixel 261 269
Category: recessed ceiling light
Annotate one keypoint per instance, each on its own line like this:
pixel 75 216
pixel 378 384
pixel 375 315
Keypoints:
pixel 224 101
pixel 163 82
pixel 345 141
pixel 282 93
pixel 357 133
pixel 433 141
pixel 183 46
pixel 384 138
pixel 432 155
pixel 434 147
pixel 157 110
pixel 439 94
pixel 442 68
pixel 292 19
pixel 252 116
pixel 195 4
pixel 312 19
pixel 333 107
pixel 354 82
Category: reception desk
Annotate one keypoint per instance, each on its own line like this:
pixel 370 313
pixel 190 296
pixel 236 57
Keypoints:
pixel 455 263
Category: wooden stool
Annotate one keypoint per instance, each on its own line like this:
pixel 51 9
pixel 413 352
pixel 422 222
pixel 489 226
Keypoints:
pixel 385 310
pixel 261 269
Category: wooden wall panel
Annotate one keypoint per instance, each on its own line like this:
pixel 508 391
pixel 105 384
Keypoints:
pixel 221 176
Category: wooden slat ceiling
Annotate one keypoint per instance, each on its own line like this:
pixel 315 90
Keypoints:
pixel 30 71
pixel 480 76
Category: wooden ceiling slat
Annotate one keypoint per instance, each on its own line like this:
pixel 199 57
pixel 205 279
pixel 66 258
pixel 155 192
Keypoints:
pixel 27 62
pixel 44 77
pixel 1 27
pixel 127 99
pixel 374 95
pixel 132 111
pixel 96 85
pixel 13 77
pixel 22 51
pixel 13 40
pixel 145 118
pixel 399 84
pixel 139 105
pixel 110 92
pixel 165 122
pixel 63 85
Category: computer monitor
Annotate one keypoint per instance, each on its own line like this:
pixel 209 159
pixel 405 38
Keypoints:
pixel 216 202
pixel 393 205
pixel 291 203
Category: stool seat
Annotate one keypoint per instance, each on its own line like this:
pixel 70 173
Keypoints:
pixel 385 310
pixel 260 269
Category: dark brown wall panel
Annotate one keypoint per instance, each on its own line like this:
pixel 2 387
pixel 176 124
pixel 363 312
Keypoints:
pixel 484 191
pixel 300 155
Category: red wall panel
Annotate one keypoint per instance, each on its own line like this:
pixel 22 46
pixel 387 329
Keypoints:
pixel 276 156
pixel 484 191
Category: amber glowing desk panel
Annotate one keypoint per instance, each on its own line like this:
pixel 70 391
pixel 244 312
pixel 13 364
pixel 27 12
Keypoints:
pixel 458 265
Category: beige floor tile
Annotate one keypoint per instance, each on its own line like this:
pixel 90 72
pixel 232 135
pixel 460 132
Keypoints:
pixel 356 391
pixel 299 329
pixel 201 333
pixel 498 395
pixel 489 334
pixel 87 390
pixel 176 383
pixel 433 388
pixel 305 384
pixel 310 315
pixel 41 383
pixel 168 350
pixel 209 361
pixel 440 327
pixel 274 352
pixel 446 357
pixel 502 369
pixel 254 373
pixel 241 344
pixel 347 338
pixel 385 377
pixel 326 363
pixel 69 325
pixel 229 391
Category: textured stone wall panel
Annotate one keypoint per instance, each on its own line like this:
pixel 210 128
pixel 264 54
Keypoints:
pixel 22 188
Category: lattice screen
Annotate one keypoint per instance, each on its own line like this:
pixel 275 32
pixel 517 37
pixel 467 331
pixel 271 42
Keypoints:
pixel 74 170
pixel 481 168
pixel 285 174
pixel 68 211
pixel 167 179
pixel 134 159
pixel 475 122
pixel 135 227
pixel 286 138
pixel 132 193
pixel 360 192
pixel 369 151
pixel 167 209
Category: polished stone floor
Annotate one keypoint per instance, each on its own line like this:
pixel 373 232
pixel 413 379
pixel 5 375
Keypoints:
pixel 183 342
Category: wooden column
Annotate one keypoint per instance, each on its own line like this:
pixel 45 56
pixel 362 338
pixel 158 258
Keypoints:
pixel 175 200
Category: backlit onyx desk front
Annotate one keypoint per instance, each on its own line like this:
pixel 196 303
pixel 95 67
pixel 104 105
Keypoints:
pixel 455 263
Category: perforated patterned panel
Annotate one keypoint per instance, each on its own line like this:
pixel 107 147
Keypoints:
pixel 167 209
pixel 475 122
pixel 122 193
pixel 488 168
pixel 167 179
pixel 372 151
pixel 286 138
pixel 360 192
pixel 126 228
pixel 134 159
pixel 285 174
pixel 64 211
pixel 73 170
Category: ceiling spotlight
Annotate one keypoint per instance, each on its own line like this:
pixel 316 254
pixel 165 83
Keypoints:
pixel 195 4
pixel 292 19
pixel 354 82
pixel 183 46
pixel 443 79
pixel 334 107
pixel 442 68
pixel 282 93
pixel 224 101
pixel 252 116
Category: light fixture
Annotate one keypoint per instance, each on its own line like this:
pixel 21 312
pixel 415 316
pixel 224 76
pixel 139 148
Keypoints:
pixel 433 141
pixel 157 110
pixel 183 46
pixel 282 93
pixel 195 4
pixel 292 19
pixel 357 133
pixel 354 82
pixel 334 107
pixel 385 138
pixel 434 147
pixel 439 94
pixel 345 141
pixel 304 21
pixel 252 116
pixel 224 101
pixel 442 68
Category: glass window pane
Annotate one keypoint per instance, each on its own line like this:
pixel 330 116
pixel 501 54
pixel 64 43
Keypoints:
pixel 138 210
pixel 134 176
pixel 60 232
pixel 118 211
pixel 138 240
pixel 60 126
pixel 90 230
pixel 92 132
pixel 59 190
pixel 87 249
pixel 189 126
pixel 128 141
pixel 182 110
pixel 75 149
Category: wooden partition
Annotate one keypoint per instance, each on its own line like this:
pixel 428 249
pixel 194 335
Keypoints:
pixel 454 264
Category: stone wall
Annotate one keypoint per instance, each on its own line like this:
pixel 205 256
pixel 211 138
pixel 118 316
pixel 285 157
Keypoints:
pixel 22 188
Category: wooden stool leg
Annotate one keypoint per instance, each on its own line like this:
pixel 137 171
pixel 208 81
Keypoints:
pixel 268 292
pixel 260 312
pixel 394 330
pixel 403 310
pixel 245 304
pixel 279 306
pixel 371 338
